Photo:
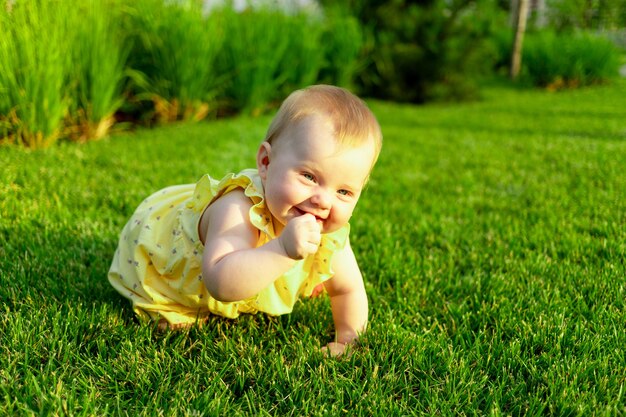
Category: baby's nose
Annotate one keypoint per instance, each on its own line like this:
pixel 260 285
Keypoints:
pixel 321 198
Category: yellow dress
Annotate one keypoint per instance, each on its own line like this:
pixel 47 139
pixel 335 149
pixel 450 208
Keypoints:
pixel 158 262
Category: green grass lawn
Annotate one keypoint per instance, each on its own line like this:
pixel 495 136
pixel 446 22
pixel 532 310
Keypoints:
pixel 492 238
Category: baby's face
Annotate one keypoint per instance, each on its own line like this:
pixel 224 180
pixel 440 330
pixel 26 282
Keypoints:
pixel 307 172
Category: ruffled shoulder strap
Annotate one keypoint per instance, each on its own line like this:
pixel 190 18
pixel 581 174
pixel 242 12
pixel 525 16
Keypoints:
pixel 336 240
pixel 208 190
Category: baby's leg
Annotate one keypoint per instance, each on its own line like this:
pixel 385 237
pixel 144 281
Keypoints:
pixel 318 290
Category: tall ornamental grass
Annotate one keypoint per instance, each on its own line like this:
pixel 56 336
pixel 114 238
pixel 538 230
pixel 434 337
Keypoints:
pixel 253 55
pixel 175 47
pixel 269 53
pixel 304 56
pixel 343 40
pixel 34 63
pixel 566 60
pixel 97 76
pixel 71 70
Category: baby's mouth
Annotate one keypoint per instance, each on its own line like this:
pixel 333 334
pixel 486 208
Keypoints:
pixel 318 219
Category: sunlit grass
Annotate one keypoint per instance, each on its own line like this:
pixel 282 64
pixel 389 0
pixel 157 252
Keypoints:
pixel 491 237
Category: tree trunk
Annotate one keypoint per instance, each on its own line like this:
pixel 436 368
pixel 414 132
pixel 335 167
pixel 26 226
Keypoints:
pixel 520 28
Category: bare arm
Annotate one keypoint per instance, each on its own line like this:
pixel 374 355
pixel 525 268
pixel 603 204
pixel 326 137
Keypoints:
pixel 348 299
pixel 233 268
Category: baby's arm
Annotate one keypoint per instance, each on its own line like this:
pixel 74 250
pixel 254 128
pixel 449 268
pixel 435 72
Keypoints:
pixel 348 300
pixel 233 268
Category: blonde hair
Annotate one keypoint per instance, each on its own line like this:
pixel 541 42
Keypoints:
pixel 354 123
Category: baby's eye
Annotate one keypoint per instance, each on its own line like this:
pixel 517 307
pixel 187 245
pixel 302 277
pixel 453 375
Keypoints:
pixel 308 176
pixel 344 192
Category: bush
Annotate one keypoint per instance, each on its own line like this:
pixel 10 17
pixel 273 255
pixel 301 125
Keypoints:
pixel 569 59
pixel 585 14
pixel 428 50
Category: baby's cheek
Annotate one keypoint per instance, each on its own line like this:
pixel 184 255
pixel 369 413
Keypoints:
pixel 332 225
pixel 291 193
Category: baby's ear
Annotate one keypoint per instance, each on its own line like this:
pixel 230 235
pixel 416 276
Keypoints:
pixel 263 159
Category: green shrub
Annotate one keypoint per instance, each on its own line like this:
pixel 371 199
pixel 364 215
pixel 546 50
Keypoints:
pixel 585 14
pixel 618 37
pixel 502 43
pixel 430 50
pixel 568 59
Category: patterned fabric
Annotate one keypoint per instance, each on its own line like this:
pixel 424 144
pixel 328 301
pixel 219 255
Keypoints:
pixel 158 262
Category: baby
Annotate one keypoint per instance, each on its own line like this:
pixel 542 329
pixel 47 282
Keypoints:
pixel 263 238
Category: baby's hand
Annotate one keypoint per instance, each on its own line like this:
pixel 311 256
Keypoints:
pixel 301 237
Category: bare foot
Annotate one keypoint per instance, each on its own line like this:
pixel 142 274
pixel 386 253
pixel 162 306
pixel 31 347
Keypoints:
pixel 164 325
pixel 336 349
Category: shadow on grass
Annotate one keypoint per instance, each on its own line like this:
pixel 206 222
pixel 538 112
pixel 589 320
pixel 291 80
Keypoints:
pixel 50 265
